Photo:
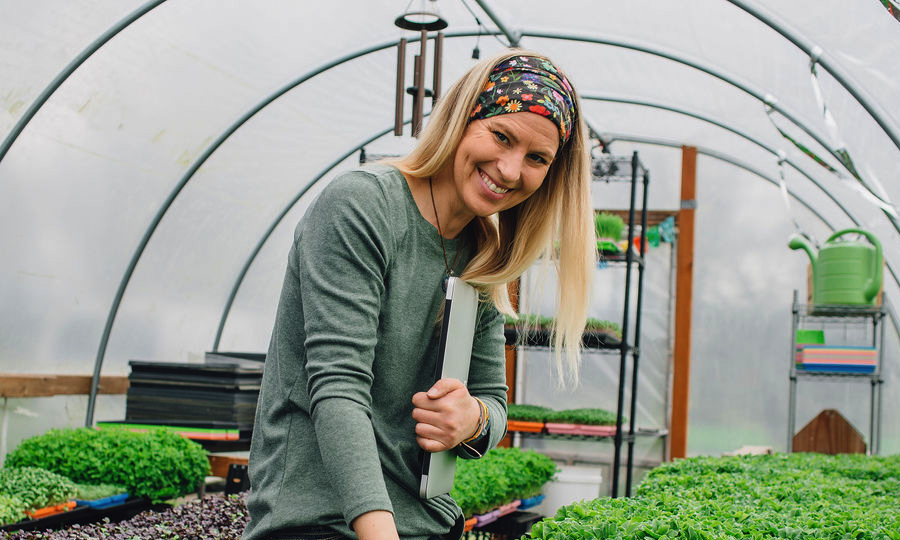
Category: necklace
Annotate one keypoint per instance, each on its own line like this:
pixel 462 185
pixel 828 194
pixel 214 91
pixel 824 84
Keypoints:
pixel 441 235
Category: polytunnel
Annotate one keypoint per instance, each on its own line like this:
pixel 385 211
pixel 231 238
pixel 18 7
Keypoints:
pixel 156 157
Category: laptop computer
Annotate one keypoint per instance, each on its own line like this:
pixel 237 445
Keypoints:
pixel 454 354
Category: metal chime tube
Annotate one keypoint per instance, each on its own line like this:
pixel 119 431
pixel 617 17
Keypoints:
pixel 417 68
pixel 401 75
pixel 438 53
pixel 420 85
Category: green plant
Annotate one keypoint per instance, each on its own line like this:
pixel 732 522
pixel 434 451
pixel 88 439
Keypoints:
pixel 88 492
pixel 34 487
pixel 156 464
pixel 609 226
pixel 527 413
pixel 599 325
pixel 12 509
pixel 790 496
pixel 500 477
pixel 593 417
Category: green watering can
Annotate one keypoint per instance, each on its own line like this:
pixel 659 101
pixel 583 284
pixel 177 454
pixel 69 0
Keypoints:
pixel 844 271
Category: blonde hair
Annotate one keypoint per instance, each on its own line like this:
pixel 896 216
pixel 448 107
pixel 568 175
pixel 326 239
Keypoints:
pixel 558 214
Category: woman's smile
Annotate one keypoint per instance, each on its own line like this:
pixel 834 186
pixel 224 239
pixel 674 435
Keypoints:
pixel 489 183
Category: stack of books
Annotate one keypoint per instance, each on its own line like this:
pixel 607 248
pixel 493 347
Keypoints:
pixel 836 359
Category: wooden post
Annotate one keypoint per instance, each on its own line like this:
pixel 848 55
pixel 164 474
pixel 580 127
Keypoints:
pixel 681 370
pixel 513 288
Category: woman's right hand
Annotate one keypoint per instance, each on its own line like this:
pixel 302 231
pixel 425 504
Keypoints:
pixel 446 415
pixel 375 525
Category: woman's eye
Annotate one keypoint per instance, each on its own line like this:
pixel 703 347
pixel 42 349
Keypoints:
pixel 537 158
pixel 501 137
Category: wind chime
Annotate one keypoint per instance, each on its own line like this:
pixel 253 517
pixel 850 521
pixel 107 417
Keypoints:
pixel 422 22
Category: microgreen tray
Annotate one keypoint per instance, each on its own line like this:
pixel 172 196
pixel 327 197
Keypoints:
pixel 581 429
pixel 531 502
pixel 105 502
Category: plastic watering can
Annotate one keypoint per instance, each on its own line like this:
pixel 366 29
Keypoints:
pixel 844 271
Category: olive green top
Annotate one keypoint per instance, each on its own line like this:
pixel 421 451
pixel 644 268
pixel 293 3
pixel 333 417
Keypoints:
pixel 355 337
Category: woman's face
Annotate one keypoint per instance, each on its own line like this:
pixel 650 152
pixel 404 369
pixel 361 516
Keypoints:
pixel 502 160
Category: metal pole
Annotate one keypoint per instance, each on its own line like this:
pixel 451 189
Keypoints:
pixel 401 77
pixel 792 375
pixel 636 352
pixel 419 105
pixel 624 347
pixel 873 384
pixel 416 104
pixel 3 430
pixel 438 66
pixel 880 380
pixel 512 36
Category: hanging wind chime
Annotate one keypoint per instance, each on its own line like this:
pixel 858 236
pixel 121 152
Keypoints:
pixel 422 22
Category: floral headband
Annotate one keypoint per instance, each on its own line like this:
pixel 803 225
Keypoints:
pixel 528 83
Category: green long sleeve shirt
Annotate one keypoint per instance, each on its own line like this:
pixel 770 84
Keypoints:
pixel 355 337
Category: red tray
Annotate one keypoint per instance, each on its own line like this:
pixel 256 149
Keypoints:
pixel 581 429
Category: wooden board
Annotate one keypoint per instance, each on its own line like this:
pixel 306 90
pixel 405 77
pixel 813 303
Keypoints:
pixel 829 433
pixel 218 464
pixel 17 385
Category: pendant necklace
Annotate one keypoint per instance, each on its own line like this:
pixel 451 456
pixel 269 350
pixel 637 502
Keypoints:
pixel 441 235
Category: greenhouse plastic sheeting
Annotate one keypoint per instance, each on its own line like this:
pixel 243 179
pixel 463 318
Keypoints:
pixel 83 179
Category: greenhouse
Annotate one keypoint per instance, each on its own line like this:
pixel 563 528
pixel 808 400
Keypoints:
pixel 739 373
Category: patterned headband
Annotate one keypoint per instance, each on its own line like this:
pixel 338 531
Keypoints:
pixel 528 83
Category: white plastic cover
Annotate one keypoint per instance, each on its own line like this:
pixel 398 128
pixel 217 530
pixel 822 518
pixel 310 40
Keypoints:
pixel 81 184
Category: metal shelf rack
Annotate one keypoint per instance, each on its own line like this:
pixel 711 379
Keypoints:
pixel 608 168
pixel 862 325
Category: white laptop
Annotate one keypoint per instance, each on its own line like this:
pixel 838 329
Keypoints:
pixel 454 353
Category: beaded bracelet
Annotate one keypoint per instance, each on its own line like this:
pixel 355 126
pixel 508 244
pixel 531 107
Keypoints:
pixel 484 414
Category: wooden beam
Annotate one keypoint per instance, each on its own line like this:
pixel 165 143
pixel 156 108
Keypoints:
pixel 684 265
pixel 17 385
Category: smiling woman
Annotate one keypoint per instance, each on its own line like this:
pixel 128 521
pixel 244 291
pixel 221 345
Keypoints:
pixel 348 401
pixel 474 114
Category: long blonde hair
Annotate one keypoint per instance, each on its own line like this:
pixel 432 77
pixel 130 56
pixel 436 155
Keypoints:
pixel 558 214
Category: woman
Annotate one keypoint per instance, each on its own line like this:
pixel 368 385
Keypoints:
pixel 500 177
